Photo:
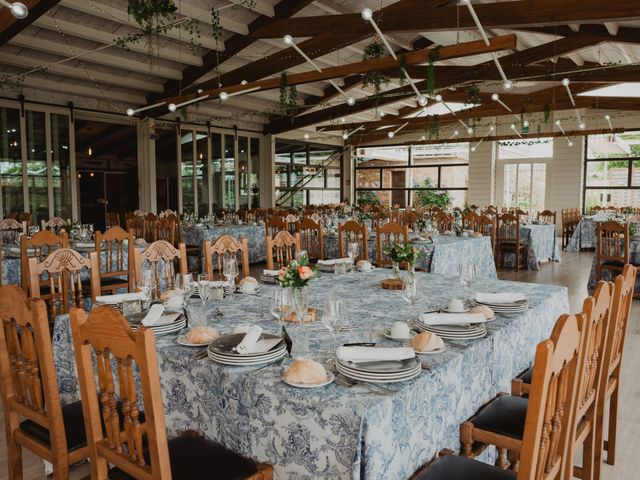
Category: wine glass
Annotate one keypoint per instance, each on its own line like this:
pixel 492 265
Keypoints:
pixel 280 305
pixel 468 274
pixel 230 269
pixel 147 284
pixel 410 291
pixel 353 251
pixel 332 319
pixel 204 288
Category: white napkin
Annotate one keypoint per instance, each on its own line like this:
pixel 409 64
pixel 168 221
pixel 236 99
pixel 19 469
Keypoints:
pixel 167 319
pixel 364 354
pixel 264 345
pixel 451 318
pixel 333 261
pixel 119 298
pixel 154 314
pixel 270 273
pixel 500 297
pixel 249 340
pixel 85 244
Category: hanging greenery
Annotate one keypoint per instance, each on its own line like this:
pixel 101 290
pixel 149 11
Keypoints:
pixel 13 82
pixel 288 98
pixel 473 95
pixel 434 56
pixel 216 25
pixel 374 79
pixel 547 113
pixel 434 128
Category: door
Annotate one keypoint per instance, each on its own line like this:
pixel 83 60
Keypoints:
pixel 93 202
pixel 525 186
pixel 398 197
pixel 121 193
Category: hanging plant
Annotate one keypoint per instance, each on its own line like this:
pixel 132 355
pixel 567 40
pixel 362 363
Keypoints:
pixel 13 82
pixel 434 128
pixel 288 98
pixel 473 95
pixel 216 25
pixel 547 113
pixel 192 27
pixel 374 79
pixel 434 56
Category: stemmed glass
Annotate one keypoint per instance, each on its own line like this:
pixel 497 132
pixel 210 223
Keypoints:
pixel 280 305
pixel 204 288
pixel 146 284
pixel 299 305
pixel 333 318
pixel 230 269
pixel 468 275
pixel 410 291
pixel 353 251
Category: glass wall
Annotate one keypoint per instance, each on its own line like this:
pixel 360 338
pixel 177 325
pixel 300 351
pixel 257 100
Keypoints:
pixel 254 181
pixel 10 163
pixel 243 171
pixel 166 169
pixel 37 166
pixel 202 173
pixel 612 170
pixel 60 165
pixel 216 171
pixel 229 173
pixel 307 174
pixel 403 176
pixel 186 172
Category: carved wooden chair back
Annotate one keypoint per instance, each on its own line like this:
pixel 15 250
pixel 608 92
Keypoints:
pixel 352 231
pixel 115 258
pixel 29 388
pixel 316 217
pixel 26 217
pixel 292 222
pixel 63 269
pixel 164 229
pixel 487 226
pixel 226 245
pixel 160 257
pixel 311 238
pixel 379 218
pixel 547 216
pixel 113 219
pixel 105 335
pixel 410 219
pixel 444 222
pixel 508 229
pixel 469 220
pixel 389 235
pixel 548 436
pixel 612 245
pixel 595 209
pixel 274 225
pixel 138 226
pixel 54 223
pixel 10 230
pixel 282 248
pixel 39 246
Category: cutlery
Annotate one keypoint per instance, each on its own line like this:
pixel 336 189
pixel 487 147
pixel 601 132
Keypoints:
pixel 349 383
pixel 201 355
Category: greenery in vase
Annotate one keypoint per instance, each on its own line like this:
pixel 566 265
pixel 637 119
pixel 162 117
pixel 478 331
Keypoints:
pixel 402 253
pixel 296 274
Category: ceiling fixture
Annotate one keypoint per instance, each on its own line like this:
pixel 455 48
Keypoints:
pixel 131 112
pixel 559 125
pixel 393 133
pixel 90 151
pixel 466 127
pixel 475 147
pixel 367 15
pixel 173 106
pixel 306 136
pixel 608 119
pixel 507 84
pixel 345 135
pixel 17 9
pixel 565 84
pixel 513 127
pixel 496 98
pixel 455 134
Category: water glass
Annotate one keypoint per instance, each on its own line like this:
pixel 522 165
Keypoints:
pixel 410 291
pixel 333 318
pixel 468 274
pixel 302 257
pixel 204 288
pixel 147 284
pixel 353 251
pixel 230 268
pixel 280 304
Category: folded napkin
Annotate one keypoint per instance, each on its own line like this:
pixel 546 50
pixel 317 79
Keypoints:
pixel 333 261
pixel 500 297
pixel 153 316
pixel 264 345
pixel 250 339
pixel 119 298
pixel 365 354
pixel 166 319
pixel 85 244
pixel 270 273
pixel 451 318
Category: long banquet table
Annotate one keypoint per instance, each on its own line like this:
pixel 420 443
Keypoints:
pixel 255 235
pixel 443 256
pixel 334 432
pixel 542 244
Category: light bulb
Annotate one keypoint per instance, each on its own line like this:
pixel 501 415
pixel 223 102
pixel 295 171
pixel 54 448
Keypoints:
pixel 345 136
pixel 582 125
pixel 473 149
pixel 422 101
pixel 508 85
pixel 469 130
pixel 438 98
pixel 19 10
pixel 223 96
pixel 351 101
pixel 391 134
pixel 306 136
pixel 525 123
pixel 199 91
pixel 492 128
pixel 571 144
pixel 558 122
pixel 367 14
pixel 565 82
pixel 513 126
pixel 607 117
pixel 172 107
pixel 495 97
pixel 130 112
pixel 456 133
pixel 342 120
pixel 423 138
pixel 243 82
pixel 287 39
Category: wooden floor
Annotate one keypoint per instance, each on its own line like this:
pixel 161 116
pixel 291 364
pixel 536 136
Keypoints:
pixel 572 272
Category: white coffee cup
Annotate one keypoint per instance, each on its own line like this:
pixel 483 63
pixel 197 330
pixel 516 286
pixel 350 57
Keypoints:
pixel 400 330
pixel 455 305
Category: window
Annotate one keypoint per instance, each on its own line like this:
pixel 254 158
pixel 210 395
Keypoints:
pixel 10 163
pixel 612 170
pixel 307 174
pixel 400 175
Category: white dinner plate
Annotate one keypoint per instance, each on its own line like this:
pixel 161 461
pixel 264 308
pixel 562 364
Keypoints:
pixel 252 362
pixel 181 340
pixel 355 376
pixel 330 378
pixel 432 352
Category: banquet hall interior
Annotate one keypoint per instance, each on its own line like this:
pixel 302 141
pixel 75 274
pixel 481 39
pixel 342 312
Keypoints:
pixel 319 239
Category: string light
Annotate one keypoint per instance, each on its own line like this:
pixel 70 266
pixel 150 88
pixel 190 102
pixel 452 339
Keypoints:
pixel 513 127
pixel 345 135
pixel 496 98
pixel 131 112
pixel 17 9
pixel 367 15
pixel 393 133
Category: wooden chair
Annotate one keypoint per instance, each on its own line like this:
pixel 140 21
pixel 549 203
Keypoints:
pixel 142 450
pixel 138 226
pixel 63 269
pixel 312 238
pixel 26 217
pixel 284 247
pixel 610 381
pixel 149 220
pixel 547 216
pixel 521 214
pixel 54 223
pixel 469 221
pixel 226 245
pixel 546 440
pixel 275 225
pixel 410 219
pixel 192 250
pixel 160 257
pixel 487 226
pixel 33 415
pixel 444 222
pixel 118 247
pixel 39 247
pixel 352 231
pixel 487 426
pixel 612 250
pixel 113 219
pixel 10 230
pixel 568 226
pixel 164 229
pixel 292 222
pixel 378 219
pixel 387 236
pixel 508 240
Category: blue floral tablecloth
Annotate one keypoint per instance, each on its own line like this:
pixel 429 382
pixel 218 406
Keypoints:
pixel 255 235
pixel 443 256
pixel 585 235
pixel 608 275
pixel 334 432
pixel 542 242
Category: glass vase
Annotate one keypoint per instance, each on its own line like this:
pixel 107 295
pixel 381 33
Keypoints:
pixel 395 270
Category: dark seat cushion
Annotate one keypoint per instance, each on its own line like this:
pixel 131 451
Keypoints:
pixel 526 375
pixel 193 456
pixel 613 263
pixel 453 467
pixel 505 415
pixel 107 281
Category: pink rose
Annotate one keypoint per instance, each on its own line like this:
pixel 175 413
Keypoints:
pixel 282 272
pixel 305 273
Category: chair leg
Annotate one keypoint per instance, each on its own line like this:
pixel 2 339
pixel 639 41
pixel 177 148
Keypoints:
pixel 14 457
pixel 60 471
pixel 513 457
pixel 598 444
pixel 502 461
pixel 588 451
pixel 613 427
pixel 466 439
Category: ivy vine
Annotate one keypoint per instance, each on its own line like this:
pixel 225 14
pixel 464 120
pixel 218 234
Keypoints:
pixel 374 79
pixel 288 98
pixel 434 56
pixel 473 95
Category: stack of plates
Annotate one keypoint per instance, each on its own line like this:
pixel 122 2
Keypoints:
pixel 222 350
pixel 455 332
pixel 504 308
pixel 388 371
pixel 162 327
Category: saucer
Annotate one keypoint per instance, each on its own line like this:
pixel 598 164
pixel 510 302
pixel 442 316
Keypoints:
pixel 432 352
pixel 446 310
pixel 387 334
pixel 330 378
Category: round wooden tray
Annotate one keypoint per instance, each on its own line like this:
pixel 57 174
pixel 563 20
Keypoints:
pixel 392 284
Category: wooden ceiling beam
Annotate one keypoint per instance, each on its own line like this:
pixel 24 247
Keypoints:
pixel 624 34
pixel 505 15
pixel 11 26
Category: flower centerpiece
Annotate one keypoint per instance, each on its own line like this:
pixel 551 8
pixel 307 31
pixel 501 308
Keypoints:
pixel 402 253
pixel 296 274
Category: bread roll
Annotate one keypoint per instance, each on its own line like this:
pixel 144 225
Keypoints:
pixel 248 281
pixel 427 342
pixel 483 309
pixel 201 335
pixel 305 371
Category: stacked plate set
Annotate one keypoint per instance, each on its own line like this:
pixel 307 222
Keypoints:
pixel 378 365
pixel 504 303
pixel 167 324
pixel 453 326
pixel 223 350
